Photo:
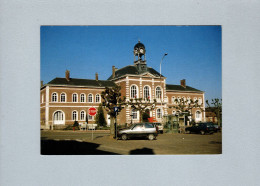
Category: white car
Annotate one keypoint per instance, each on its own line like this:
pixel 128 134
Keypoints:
pixel 160 127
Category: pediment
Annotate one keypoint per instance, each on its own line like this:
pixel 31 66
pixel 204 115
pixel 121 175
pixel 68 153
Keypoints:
pixel 148 75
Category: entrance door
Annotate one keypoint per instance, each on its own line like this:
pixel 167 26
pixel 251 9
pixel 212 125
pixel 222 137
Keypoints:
pixel 58 118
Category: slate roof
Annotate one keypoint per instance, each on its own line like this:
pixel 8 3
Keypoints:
pixel 82 82
pixel 132 69
pixel 181 88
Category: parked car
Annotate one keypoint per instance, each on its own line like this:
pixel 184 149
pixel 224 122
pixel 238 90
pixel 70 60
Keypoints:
pixel 217 128
pixel 201 128
pixel 160 127
pixel 148 130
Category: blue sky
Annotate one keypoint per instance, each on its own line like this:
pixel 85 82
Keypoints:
pixel 194 52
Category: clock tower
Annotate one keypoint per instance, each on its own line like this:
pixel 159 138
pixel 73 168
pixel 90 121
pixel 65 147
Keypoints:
pixel 139 52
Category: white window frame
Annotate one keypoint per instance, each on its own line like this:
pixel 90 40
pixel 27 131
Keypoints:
pixel 149 91
pixel 158 113
pixel 135 113
pixel 90 94
pixel 99 98
pixel 173 100
pixel 198 117
pixel 132 93
pixel 64 97
pixel 56 97
pixel 189 100
pixel 76 96
pixel 157 93
pixel 74 119
pixel 84 98
pixel 84 115
pixel 200 101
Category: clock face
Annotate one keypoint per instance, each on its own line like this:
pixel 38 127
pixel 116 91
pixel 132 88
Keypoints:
pixel 141 50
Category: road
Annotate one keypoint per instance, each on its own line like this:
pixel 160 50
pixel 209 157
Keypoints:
pixel 81 143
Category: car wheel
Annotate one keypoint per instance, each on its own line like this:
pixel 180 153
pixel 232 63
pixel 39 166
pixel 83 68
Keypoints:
pixel 124 137
pixel 202 132
pixel 188 132
pixel 151 137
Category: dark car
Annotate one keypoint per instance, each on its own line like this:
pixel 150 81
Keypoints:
pixel 201 128
pixel 217 128
pixel 148 130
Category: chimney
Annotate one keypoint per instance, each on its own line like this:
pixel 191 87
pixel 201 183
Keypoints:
pixel 67 75
pixel 96 76
pixel 183 83
pixel 41 83
pixel 113 71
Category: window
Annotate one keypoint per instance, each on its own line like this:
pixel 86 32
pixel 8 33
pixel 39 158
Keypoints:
pixel 90 117
pixel 200 101
pixel 90 98
pixel 82 115
pixel 149 125
pixel 174 112
pixel 62 97
pixel 146 92
pixel 159 113
pixel 158 93
pixel 173 100
pixel 74 98
pixel 58 115
pixel 42 98
pixel 198 114
pixel 74 115
pixel 184 100
pixel 97 98
pixel 134 113
pixel 82 97
pixel 54 97
pixel 188 100
pixel 133 92
pixel 195 99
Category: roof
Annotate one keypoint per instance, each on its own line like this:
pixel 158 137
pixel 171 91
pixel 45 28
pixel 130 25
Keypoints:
pixel 132 69
pixel 139 45
pixel 181 88
pixel 82 82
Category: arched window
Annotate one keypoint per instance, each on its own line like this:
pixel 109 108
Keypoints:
pixel 159 113
pixel 74 97
pixel 198 115
pixel 134 113
pixel 174 112
pixel 54 97
pixel 184 99
pixel 146 92
pixel 179 99
pixel 74 116
pixel 173 100
pixel 58 118
pixel 97 98
pixel 158 93
pixel 194 99
pixel 90 98
pixel 82 115
pixel 133 92
pixel 82 97
pixel 62 97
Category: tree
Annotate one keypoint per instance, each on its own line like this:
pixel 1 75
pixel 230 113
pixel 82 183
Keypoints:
pixel 141 105
pixel 100 118
pixel 186 105
pixel 112 98
pixel 216 108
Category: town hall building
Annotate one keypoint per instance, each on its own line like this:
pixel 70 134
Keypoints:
pixel 65 100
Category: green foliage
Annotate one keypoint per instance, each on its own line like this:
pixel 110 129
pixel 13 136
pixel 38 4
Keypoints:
pixel 100 118
pixel 76 124
pixel 215 107
pixel 112 98
pixel 141 105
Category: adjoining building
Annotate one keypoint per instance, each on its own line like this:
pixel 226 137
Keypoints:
pixel 64 100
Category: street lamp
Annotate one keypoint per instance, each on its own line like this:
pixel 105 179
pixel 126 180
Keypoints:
pixel 161 82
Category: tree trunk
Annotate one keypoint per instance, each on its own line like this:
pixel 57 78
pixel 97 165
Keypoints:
pixel 112 126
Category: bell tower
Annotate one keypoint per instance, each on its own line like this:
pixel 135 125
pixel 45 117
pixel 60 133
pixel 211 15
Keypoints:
pixel 139 52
